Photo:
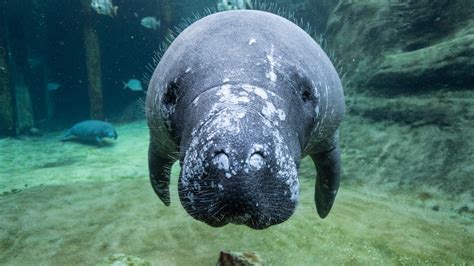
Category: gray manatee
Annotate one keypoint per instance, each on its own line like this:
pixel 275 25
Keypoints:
pixel 239 98
pixel 91 130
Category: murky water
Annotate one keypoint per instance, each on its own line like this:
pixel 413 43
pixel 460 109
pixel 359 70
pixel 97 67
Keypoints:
pixel 407 193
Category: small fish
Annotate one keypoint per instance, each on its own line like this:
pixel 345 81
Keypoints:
pixel 234 4
pixel 133 85
pixel 52 86
pixel 104 7
pixel 150 23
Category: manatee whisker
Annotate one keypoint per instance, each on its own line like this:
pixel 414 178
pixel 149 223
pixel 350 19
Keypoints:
pixel 217 211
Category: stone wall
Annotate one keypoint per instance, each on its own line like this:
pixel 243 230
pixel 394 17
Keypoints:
pixel 404 45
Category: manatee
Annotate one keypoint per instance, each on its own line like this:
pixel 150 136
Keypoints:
pixel 91 130
pixel 239 97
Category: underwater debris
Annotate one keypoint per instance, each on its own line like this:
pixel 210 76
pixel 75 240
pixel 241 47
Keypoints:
pixel 104 7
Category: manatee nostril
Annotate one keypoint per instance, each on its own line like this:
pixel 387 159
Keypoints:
pixel 256 161
pixel 221 160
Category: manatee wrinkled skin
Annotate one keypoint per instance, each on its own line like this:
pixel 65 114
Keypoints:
pixel 239 98
pixel 91 130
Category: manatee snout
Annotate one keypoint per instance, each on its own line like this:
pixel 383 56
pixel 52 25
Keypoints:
pixel 110 133
pixel 232 173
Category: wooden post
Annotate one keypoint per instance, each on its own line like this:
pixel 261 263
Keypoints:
pixel 94 74
pixel 166 17
pixel 7 109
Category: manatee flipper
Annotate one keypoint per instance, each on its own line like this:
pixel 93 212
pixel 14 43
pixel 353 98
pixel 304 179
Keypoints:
pixel 99 140
pixel 328 167
pixel 160 170
pixel 67 136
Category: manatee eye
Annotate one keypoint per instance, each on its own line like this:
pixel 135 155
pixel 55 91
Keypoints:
pixel 307 93
pixel 170 95
pixel 304 87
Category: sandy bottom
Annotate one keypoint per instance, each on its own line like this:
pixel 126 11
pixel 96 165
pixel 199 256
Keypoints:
pixel 70 203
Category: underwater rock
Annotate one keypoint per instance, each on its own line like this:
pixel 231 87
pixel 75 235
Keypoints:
pixel 411 45
pixel 449 63
pixel 232 258
pixel 124 260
